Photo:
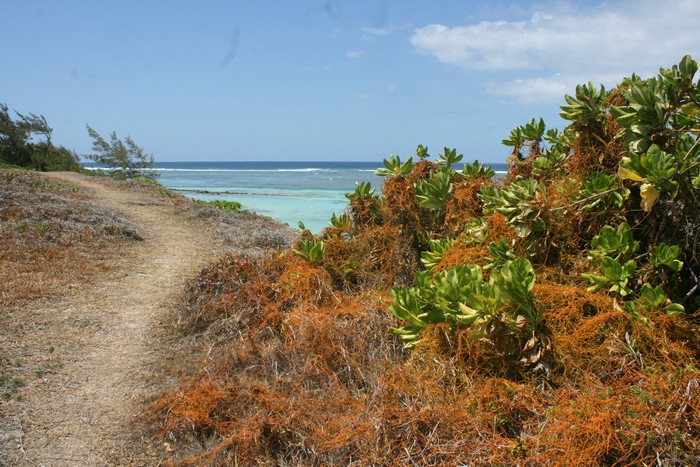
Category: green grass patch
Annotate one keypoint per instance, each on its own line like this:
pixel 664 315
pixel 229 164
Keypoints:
pixel 5 165
pixel 9 385
pixel 230 206
pixel 153 185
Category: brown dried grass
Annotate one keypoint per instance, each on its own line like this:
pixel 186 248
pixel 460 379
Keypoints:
pixel 400 205
pixel 251 233
pixel 422 170
pixel 383 256
pixel 463 205
pixel 237 294
pixel 497 229
pixel 597 147
pixel 52 238
pixel 460 254
pixel 277 390
pixel 314 378
pixel 426 412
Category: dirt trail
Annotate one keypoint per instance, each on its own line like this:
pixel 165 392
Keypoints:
pixel 106 336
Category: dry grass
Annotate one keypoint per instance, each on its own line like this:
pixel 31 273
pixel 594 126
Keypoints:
pixel 52 238
pixel 463 205
pixel 251 233
pixel 54 242
pixel 57 242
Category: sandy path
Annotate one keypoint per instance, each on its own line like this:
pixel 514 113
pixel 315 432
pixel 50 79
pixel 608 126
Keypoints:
pixel 105 337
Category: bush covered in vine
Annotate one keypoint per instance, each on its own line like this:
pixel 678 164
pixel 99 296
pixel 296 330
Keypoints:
pixel 545 317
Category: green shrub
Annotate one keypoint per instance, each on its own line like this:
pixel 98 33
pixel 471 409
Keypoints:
pixel 462 297
pixel 230 206
pixel 395 168
pixel 311 250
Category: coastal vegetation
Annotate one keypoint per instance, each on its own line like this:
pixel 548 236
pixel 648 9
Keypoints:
pixel 224 205
pixel 548 317
pixel 123 159
pixel 25 141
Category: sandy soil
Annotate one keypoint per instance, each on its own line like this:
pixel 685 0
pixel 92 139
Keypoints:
pixel 96 348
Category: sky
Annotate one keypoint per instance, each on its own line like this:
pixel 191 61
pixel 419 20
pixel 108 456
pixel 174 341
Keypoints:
pixel 346 80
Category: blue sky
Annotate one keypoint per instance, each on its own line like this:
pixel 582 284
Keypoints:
pixel 322 80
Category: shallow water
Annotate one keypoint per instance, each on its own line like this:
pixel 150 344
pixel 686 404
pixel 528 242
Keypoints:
pixel 290 192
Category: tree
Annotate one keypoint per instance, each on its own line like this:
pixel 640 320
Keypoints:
pixel 49 158
pixel 18 145
pixel 16 136
pixel 124 159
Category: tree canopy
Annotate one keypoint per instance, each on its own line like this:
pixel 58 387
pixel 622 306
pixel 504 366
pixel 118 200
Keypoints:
pixel 26 142
pixel 124 159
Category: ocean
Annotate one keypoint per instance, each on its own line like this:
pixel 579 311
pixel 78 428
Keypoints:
pixel 290 192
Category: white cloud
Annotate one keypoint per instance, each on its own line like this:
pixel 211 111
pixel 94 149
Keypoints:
pixel 566 45
pixel 355 54
pixel 549 88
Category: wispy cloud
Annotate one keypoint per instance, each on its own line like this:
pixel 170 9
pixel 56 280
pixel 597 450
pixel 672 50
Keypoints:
pixel 336 33
pixel 383 31
pixel 355 54
pixel 372 34
pixel 565 45
pixel 547 88
pixel 360 96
